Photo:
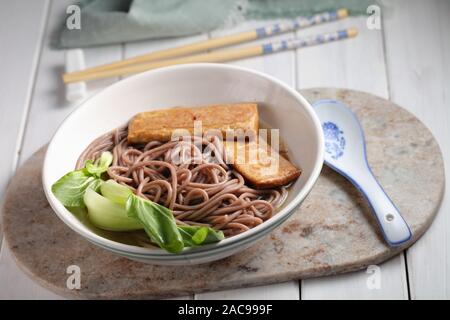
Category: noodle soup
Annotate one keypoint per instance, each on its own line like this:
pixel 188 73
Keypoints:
pixel 116 209
pixel 203 193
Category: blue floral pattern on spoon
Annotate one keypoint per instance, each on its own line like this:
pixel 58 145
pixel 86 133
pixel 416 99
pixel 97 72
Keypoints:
pixel 334 140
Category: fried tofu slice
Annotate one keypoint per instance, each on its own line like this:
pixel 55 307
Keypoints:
pixel 161 124
pixel 268 170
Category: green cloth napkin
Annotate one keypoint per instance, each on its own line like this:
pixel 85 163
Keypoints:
pixel 116 21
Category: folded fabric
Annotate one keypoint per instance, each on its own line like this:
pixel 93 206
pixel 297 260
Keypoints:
pixel 115 21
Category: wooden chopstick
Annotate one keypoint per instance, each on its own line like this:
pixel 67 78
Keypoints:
pixel 220 56
pixel 220 42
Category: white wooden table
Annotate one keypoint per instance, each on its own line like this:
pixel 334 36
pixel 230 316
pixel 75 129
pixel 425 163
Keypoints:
pixel 407 61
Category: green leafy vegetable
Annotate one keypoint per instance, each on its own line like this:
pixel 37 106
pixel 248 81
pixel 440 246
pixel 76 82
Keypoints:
pixel 191 235
pixel 107 215
pixel 199 235
pixel 100 165
pixel 158 221
pixel 70 189
pixel 118 209
pixel 115 192
pixel 96 185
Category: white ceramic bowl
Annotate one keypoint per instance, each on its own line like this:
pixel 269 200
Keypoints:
pixel 188 85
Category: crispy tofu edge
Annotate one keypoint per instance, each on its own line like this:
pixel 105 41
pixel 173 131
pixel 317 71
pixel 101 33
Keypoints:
pixel 292 172
pixel 138 135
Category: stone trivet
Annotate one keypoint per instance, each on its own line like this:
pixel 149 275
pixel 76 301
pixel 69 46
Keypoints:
pixel 333 232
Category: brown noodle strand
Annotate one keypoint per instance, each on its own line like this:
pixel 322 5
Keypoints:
pixel 199 187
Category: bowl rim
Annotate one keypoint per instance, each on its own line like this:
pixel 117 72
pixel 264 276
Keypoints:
pixel 275 221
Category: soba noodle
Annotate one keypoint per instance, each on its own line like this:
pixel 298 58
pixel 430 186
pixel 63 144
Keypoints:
pixel 202 190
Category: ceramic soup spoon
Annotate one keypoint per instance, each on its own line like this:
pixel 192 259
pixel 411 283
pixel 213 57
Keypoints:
pixel 345 152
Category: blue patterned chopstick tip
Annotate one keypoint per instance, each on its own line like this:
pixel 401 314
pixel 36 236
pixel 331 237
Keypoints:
pixel 342 34
pixel 300 22
pixel 308 41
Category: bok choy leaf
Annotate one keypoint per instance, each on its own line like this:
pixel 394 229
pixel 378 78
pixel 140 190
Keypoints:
pixel 107 215
pixel 112 206
pixel 100 165
pixel 70 188
pixel 115 192
pixel 191 235
pixel 199 235
pixel 158 221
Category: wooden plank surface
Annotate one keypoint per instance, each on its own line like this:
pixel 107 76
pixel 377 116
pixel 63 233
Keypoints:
pixel 49 106
pixel 361 285
pixel 47 109
pixel 19 61
pixel 280 291
pixel 358 64
pixel 19 57
pixel 418 60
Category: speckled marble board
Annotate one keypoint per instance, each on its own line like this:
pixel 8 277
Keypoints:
pixel 332 232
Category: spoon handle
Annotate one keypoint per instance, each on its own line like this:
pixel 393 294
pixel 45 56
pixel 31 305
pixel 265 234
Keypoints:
pixel 394 227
